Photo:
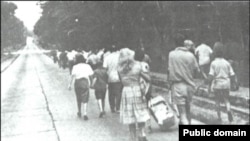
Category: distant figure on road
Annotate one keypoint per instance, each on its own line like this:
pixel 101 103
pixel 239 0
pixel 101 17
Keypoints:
pixel 133 104
pixel 100 80
pixel 71 59
pixel 182 66
pixel 92 60
pixel 219 77
pixel 54 56
pixel 204 53
pixel 58 56
pixel 81 75
pixel 63 59
pixel 114 84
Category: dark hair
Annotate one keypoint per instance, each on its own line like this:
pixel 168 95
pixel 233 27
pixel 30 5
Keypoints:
pixel 99 64
pixel 80 59
pixel 179 40
pixel 218 49
pixel 139 55
pixel 113 48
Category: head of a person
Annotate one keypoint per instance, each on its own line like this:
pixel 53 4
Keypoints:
pixel 188 44
pixel 218 50
pixel 139 55
pixel 79 59
pixel 179 40
pixel 126 60
pixel 99 63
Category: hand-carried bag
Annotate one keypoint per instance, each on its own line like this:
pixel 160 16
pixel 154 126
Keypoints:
pixel 162 112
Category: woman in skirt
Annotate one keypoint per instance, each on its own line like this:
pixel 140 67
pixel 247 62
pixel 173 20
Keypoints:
pixel 81 73
pixel 133 104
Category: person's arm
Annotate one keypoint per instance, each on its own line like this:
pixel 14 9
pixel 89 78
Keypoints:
pixel 211 75
pixel 90 71
pixel 146 76
pixel 93 80
pixel 72 78
pixel 209 79
pixel 232 74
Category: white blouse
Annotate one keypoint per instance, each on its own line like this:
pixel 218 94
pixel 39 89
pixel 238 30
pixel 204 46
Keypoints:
pixel 82 70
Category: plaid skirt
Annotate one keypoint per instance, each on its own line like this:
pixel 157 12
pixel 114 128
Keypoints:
pixel 133 108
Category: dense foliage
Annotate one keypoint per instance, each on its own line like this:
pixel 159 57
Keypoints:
pixel 151 24
pixel 13 31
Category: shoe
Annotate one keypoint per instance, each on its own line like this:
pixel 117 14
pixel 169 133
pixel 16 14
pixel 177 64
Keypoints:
pixel 79 114
pixel 101 115
pixel 85 117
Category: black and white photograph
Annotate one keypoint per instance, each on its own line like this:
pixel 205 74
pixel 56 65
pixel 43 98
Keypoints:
pixel 122 70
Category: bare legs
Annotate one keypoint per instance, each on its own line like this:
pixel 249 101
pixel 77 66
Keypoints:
pixel 185 113
pixel 132 131
pixel 100 104
pixel 228 108
pixel 223 94
pixel 141 132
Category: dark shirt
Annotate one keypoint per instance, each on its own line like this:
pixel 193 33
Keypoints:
pixel 101 78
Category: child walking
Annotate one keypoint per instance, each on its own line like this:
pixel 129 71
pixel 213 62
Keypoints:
pixel 100 79
pixel 220 74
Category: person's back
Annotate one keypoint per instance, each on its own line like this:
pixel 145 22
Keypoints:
pixel 111 63
pixel 204 52
pixel 101 74
pixel 221 70
pixel 182 66
pixel 70 56
pixel 131 78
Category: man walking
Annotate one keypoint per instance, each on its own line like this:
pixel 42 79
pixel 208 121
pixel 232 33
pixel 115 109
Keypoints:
pixel 114 84
pixel 182 67
pixel 204 53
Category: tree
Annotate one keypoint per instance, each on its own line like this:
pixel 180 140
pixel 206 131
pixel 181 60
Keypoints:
pixel 13 31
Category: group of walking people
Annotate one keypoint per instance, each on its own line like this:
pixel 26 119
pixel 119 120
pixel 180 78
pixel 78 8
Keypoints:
pixel 122 72
pixel 185 62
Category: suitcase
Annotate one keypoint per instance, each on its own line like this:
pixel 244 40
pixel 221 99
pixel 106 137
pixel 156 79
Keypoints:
pixel 161 112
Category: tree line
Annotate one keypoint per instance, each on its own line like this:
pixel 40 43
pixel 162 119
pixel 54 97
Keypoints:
pixel 149 24
pixel 13 31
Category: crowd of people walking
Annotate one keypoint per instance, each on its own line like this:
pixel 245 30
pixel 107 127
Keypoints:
pixel 123 72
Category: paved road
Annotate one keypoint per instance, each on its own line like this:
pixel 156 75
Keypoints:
pixel 37 106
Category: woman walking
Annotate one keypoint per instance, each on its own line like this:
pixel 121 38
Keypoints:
pixel 133 104
pixel 81 75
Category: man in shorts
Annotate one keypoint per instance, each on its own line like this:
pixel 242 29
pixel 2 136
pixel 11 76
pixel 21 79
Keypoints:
pixel 182 66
